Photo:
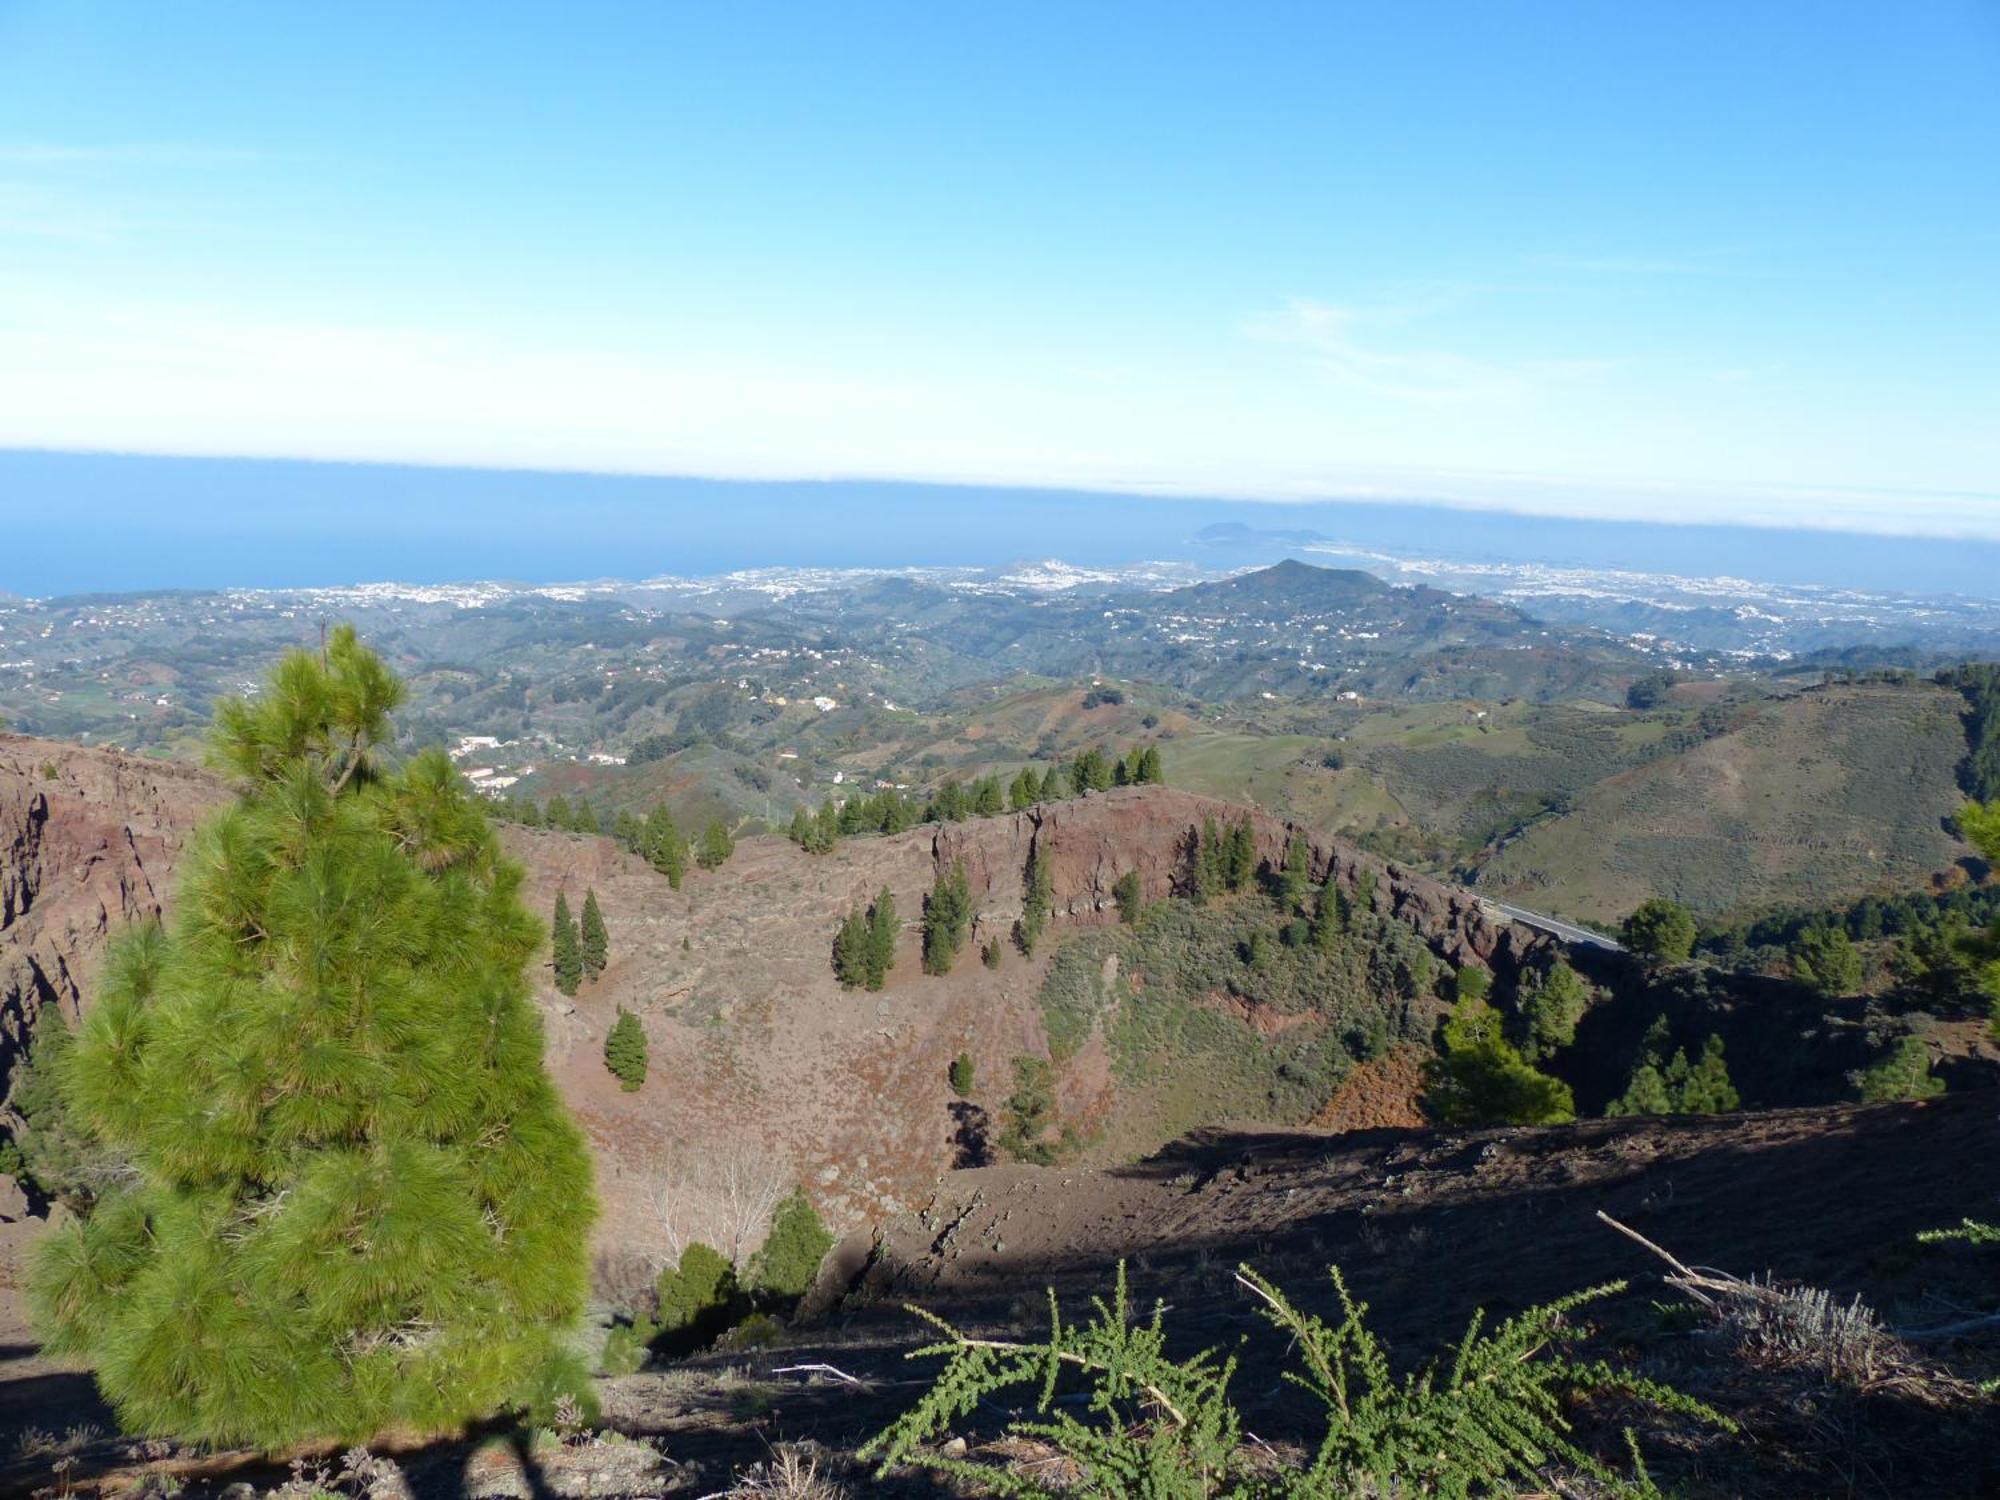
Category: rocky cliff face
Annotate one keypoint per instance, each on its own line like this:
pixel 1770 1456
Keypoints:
pixel 764 1071
pixel 87 841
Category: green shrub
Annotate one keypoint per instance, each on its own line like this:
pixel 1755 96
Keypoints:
pixel 1660 1085
pixel 328 1079
pixel 789 1259
pixel 625 1051
pixel 961 1075
pixel 625 1349
pixel 1148 1425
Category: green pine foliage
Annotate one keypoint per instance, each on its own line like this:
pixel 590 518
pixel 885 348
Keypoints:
pixel 1037 900
pixel 625 1051
pixel 787 1261
pixel 1479 1079
pixel 716 845
pixel 1239 856
pixel 850 950
pixel 1294 882
pixel 356 1200
pixel 565 947
pixel 52 1149
pixel 962 1075
pixel 1661 930
pixel 1675 1085
pixel 884 927
pixel 1030 1113
pixel 1825 958
pixel 1129 893
pixel 662 845
pixel 595 945
pixel 1332 916
pixel 1903 1073
pixel 947 919
pixel 697 1297
pixel 1550 1006
pixel 1146 1424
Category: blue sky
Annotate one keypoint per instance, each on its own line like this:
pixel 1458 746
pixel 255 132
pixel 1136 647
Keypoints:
pixel 1682 261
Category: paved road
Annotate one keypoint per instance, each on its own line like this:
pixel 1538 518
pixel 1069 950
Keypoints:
pixel 1569 932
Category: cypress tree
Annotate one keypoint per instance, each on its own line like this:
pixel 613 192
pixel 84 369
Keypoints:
pixel 356 1199
pixel 625 1051
pixel 595 948
pixel 566 947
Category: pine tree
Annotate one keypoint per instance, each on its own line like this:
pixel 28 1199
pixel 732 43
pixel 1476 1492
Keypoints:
pixel 625 1051
pixel 1479 1079
pixel 1550 1008
pixel 1021 790
pixel 558 812
pixel 947 917
pixel 1295 878
pixel 1129 893
pixel 595 946
pixel 1055 785
pixel 1038 896
pixel 1209 863
pixel 716 845
pixel 1240 857
pixel 789 1258
pixel 986 799
pixel 1330 916
pixel 356 1200
pixel 583 817
pixel 665 849
pixel 883 928
pixel 801 831
pixel 1151 771
pixel 566 947
pixel 850 950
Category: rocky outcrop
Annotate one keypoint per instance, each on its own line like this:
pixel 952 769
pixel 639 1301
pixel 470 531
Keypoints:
pixel 87 839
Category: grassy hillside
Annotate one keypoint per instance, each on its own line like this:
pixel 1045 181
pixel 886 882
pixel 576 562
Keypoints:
pixel 1813 799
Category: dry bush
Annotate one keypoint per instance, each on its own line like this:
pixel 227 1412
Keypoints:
pixel 791 1473
pixel 721 1195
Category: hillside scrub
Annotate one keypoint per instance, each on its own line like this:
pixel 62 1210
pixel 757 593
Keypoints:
pixel 299 1070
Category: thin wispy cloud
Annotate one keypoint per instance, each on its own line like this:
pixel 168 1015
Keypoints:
pixel 1635 265
pixel 43 155
pixel 1348 345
